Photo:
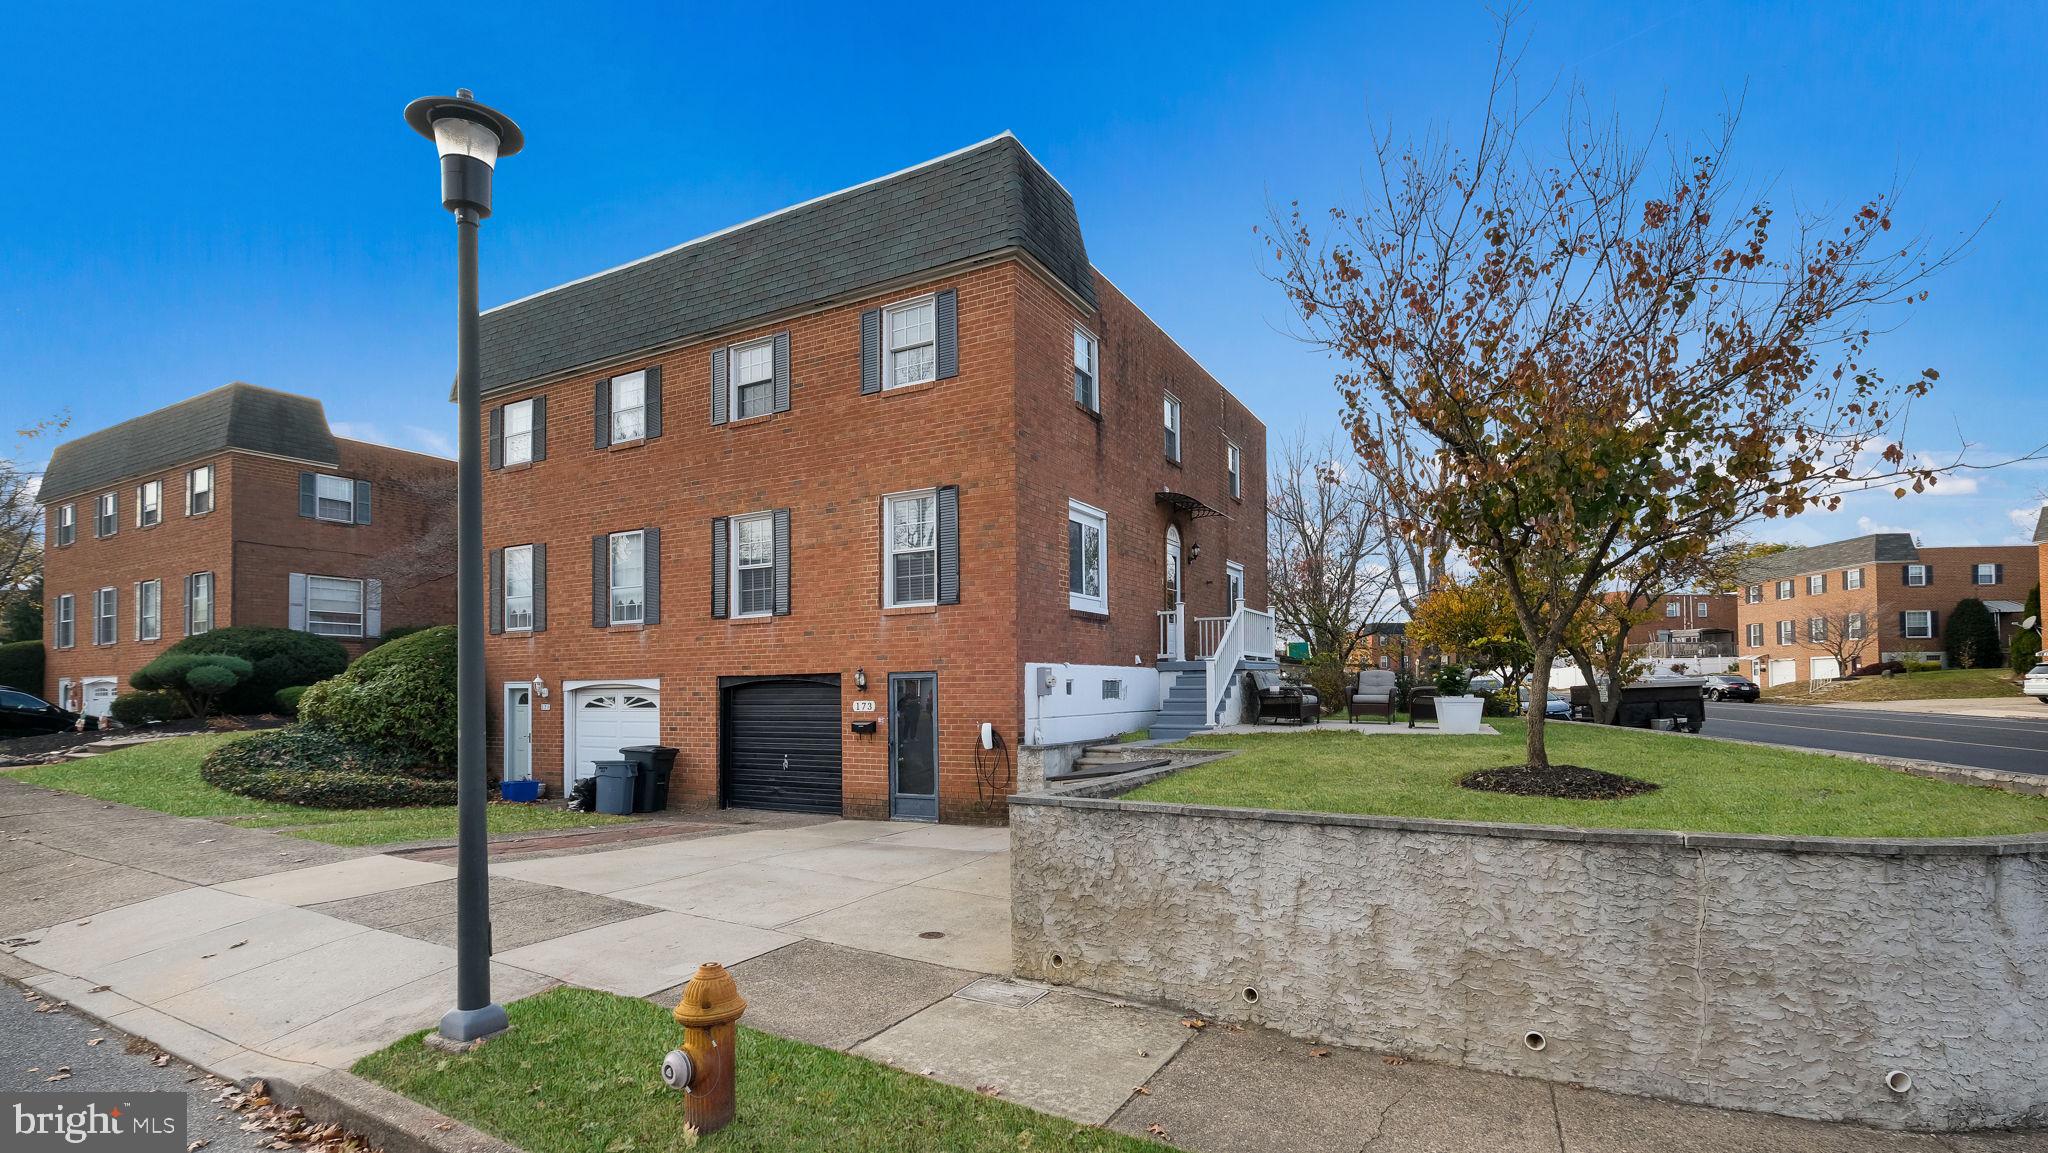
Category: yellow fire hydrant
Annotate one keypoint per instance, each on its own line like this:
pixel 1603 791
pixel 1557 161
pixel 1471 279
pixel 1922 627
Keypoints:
pixel 703 1068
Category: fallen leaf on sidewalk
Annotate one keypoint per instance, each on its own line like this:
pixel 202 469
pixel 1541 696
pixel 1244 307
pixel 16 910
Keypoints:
pixel 162 1059
pixel 58 1077
pixel 1156 1129
pixel 91 1041
pixel 196 1146
pixel 1318 1052
pixel 1390 1059
pixel 1142 1090
pixel 99 988
pixel 445 1126
pixel 989 1090
pixel 1194 1022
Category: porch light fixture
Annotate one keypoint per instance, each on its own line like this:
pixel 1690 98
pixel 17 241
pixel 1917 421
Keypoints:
pixel 860 678
pixel 471 139
pixel 540 686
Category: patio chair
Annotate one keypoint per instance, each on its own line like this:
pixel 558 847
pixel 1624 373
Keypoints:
pixel 1268 696
pixel 1421 705
pixel 1372 695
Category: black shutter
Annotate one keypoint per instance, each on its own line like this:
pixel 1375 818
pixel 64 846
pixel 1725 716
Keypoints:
pixel 650 575
pixel 188 604
pixel 306 506
pixel 540 588
pixel 362 502
pixel 871 351
pixel 1927 570
pixel 497 609
pixel 945 316
pixel 497 437
pixel 718 567
pixel 1902 624
pixel 540 428
pixel 601 407
pixel 600 581
pixel 781 562
pixel 1998 574
pixel 949 545
pixel 653 395
pixel 782 372
pixel 1933 624
pixel 721 383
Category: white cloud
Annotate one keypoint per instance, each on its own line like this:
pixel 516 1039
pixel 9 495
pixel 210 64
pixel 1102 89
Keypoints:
pixel 1867 525
pixel 432 440
pixel 357 430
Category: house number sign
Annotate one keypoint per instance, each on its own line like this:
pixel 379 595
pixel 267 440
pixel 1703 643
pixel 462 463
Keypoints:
pixel 863 706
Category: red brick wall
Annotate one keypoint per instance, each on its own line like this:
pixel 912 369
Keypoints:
pixel 1719 614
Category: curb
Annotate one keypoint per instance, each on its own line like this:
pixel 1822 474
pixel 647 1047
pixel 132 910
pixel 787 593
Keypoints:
pixel 388 1121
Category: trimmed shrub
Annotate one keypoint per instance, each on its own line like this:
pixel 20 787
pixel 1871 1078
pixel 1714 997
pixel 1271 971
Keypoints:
pixel 399 698
pixel 21 667
pixel 148 708
pixel 301 765
pixel 1970 636
pixel 288 700
pixel 2026 650
pixel 280 658
pixel 197 678
pixel 399 632
pixel 1920 666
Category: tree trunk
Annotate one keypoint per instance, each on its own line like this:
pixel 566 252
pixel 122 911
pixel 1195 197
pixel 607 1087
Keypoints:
pixel 1539 693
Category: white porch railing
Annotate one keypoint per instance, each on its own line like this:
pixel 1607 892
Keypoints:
pixel 1172 638
pixel 1208 635
pixel 1247 632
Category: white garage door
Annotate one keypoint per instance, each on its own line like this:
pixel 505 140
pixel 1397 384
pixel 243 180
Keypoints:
pixel 608 720
pixel 1823 668
pixel 99 695
pixel 1784 672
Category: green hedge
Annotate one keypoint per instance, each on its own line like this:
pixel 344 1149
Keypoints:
pixel 143 707
pixel 302 765
pixel 280 658
pixel 288 700
pixel 398 697
pixel 21 667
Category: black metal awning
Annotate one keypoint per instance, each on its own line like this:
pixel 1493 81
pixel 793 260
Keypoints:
pixel 1182 502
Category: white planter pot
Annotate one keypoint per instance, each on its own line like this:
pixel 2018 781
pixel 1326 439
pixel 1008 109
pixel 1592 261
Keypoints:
pixel 1459 714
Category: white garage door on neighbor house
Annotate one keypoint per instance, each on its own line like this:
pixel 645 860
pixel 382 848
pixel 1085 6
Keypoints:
pixel 607 719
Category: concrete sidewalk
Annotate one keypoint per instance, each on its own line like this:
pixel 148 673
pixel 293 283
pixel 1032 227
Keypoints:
pixel 253 954
pixel 2003 708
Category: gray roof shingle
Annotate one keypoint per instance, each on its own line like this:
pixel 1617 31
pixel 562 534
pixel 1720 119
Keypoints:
pixel 2041 526
pixel 236 415
pixel 1879 548
pixel 981 200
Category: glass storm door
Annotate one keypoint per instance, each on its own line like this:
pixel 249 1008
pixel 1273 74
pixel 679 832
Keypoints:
pixel 1173 597
pixel 913 746
pixel 518 734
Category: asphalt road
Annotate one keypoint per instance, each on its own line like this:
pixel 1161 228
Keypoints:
pixel 2013 746
pixel 36 1045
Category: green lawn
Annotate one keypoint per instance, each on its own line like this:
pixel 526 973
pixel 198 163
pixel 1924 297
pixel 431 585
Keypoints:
pixel 579 1072
pixel 164 775
pixel 1708 786
pixel 1941 685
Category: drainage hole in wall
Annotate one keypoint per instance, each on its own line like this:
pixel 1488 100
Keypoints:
pixel 1058 960
pixel 1251 995
pixel 1898 1081
pixel 1535 1041
pixel 930 935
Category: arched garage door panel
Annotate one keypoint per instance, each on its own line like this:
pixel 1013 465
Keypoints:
pixel 781 744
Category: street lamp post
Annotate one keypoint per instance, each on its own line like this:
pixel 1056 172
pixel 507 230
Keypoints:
pixel 470 139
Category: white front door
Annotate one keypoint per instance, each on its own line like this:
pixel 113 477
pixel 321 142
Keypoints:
pixel 99 695
pixel 1233 574
pixel 1173 597
pixel 518 733
pixel 1784 672
pixel 1823 668
pixel 608 720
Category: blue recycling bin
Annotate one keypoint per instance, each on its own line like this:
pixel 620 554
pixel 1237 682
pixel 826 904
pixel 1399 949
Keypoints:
pixel 615 787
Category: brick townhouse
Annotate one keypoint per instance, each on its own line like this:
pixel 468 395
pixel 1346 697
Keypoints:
pixel 1687 623
pixel 236 507
pixel 1883 589
pixel 815 498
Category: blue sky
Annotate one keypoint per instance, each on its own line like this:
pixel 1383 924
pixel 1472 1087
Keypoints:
pixel 197 194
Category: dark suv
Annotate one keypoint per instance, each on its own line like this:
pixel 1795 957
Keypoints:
pixel 22 715
pixel 1729 687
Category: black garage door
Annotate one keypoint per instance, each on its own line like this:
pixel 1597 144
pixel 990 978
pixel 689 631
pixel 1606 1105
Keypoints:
pixel 781 743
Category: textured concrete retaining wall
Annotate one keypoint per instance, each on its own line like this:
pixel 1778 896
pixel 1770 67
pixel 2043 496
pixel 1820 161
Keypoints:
pixel 1788 976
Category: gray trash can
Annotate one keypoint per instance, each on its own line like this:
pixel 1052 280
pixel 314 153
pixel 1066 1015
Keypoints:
pixel 615 787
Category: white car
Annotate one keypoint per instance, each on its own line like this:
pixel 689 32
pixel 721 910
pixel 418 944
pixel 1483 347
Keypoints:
pixel 2036 683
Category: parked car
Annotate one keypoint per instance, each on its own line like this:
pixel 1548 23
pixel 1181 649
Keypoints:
pixel 2036 683
pixel 1730 687
pixel 23 715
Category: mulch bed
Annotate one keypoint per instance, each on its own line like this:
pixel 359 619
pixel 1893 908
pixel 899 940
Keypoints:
pixel 1568 782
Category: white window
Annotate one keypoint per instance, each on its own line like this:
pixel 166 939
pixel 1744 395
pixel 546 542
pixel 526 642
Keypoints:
pixel 199 604
pixel 1671 608
pixel 67 621
pixel 1852 578
pixel 149 502
pixel 1920 624
pixel 911 354
pixel 1784 590
pixel 1786 633
pixel 1233 583
pixel 107 522
pixel 1700 610
pixel 911 534
pixel 1817 629
pixel 1087 559
pixel 753 378
pixel 1853 627
pixel 629 407
pixel 103 617
pixel 1984 574
pixel 519 589
pixel 1816 584
pixel 1085 382
pixel 334 606
pixel 149 610
pixel 753 565
pixel 199 490
pixel 1916 577
pixel 67 524
pixel 1754 594
pixel 628 577
pixel 519 432
pixel 334 498
pixel 1172 428
pixel 1233 464
pixel 1112 689
pixel 1756 635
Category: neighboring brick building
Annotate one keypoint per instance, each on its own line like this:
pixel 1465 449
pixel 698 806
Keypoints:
pixel 804 498
pixel 236 507
pixel 1882 587
pixel 1687 624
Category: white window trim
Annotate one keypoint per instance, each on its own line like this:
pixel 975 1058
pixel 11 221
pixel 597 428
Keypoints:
pixel 889 350
pixel 144 506
pixel 613 410
pixel 1089 515
pixel 1926 617
pixel 142 618
pixel 1816 584
pixel 1700 609
pixel 1919 570
pixel 67 618
pixel 733 384
pixel 1233 468
pixel 1977 572
pixel 889 550
pixel 1753 595
pixel 1817 630
pixel 112 616
pixel 1171 418
pixel 611 575
pixel 106 510
pixel 1232 568
pixel 1852 628
pixel 67 525
pixel 192 490
pixel 505 452
pixel 1093 369
pixel 362 606
pixel 1788 632
pixel 1852 578
pixel 192 602
pixel 525 550
pixel 732 553
pixel 1754 634
pixel 1673 608
pixel 319 513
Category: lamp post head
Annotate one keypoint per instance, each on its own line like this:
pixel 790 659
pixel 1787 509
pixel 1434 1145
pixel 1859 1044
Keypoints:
pixel 470 138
